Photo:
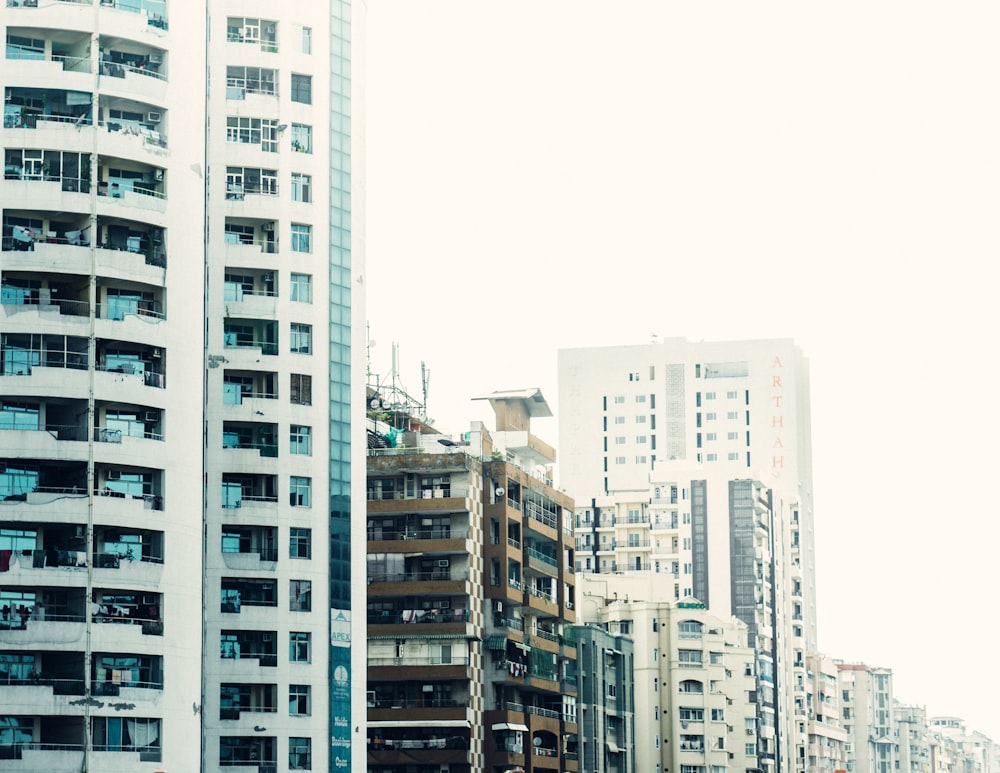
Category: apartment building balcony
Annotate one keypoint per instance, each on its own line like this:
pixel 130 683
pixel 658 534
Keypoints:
pixel 428 711
pixel 247 494
pixel 41 743
pixel 245 392
pixel 433 582
pixel 540 597
pixel 452 620
pixel 247 700
pixel 251 242
pixel 444 748
pixel 243 653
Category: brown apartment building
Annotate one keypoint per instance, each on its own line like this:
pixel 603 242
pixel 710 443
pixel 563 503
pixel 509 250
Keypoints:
pixel 471 660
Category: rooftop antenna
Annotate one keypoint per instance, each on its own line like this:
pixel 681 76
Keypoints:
pixel 425 381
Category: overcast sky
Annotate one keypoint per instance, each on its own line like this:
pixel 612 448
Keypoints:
pixel 544 175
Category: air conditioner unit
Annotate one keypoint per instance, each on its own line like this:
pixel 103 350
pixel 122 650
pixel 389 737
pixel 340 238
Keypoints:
pixel 152 415
pixel 370 697
pixel 157 353
pixel 154 116
pixel 445 604
pixel 499 606
pixel 79 532
pixel 156 58
pixel 267 277
pixel 444 562
pixel 268 227
pixel 268 636
pixel 114 474
pixel 158 175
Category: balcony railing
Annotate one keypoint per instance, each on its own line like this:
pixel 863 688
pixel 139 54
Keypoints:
pixel 418 616
pixel 546 559
pixel 444 574
pixel 119 69
pixel 408 534
pixel 418 703
pixel 454 660
pixel 537 710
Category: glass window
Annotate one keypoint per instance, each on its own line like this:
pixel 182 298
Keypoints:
pixel 301 237
pixel 18 415
pixel 302 88
pixel 298 700
pixel 300 392
pixel 302 288
pixel 299 647
pixel 300 753
pixel 301 338
pixel 299 543
pixel 299 491
pixel 307 34
pixel 302 138
pixel 300 595
pixel 300 439
pixel 301 187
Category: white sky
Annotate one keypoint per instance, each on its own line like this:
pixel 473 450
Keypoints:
pixel 558 174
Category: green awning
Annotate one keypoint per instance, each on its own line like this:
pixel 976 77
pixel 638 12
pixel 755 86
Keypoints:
pixel 497 643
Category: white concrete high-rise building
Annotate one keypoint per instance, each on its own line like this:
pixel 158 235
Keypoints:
pixel 702 453
pixel 181 247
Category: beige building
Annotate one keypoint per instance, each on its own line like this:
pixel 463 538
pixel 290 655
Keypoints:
pixel 696 688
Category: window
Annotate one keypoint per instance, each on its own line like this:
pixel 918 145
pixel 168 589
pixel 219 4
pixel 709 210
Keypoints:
pixel 299 543
pixel 298 700
pixel 299 491
pixel 619 419
pixel 302 288
pixel 241 81
pixel 301 338
pixel 711 457
pixel 641 439
pixel 301 237
pixel 299 647
pixel 307 45
pixel 691 715
pixel 732 414
pixel 640 460
pixel 731 395
pixel 692 685
pixel 719 715
pixel 300 438
pixel 640 398
pixel 689 629
pixel 301 187
pixel 612 690
pixel 300 595
pixel 640 419
pixel 751 750
pixel 619 460
pixel 732 436
pixel 619 399
pixel 300 391
pixel 302 88
pixel 302 138
pixel 253 131
pixel 300 749
pixel 710 436
pixel 732 456
pixel 710 417
pixel 118 734
pixel 619 440
pixel 689 656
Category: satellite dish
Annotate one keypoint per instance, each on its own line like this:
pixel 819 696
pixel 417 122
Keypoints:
pixel 499 491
